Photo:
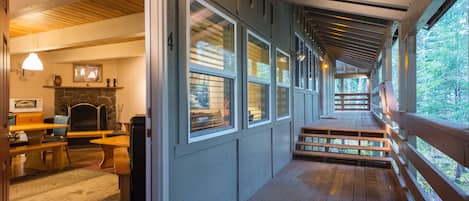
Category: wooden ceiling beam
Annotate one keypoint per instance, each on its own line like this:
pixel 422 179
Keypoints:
pixel 129 27
pixel 345 23
pixel 350 60
pixel 357 57
pixel 348 34
pixel 374 42
pixel 361 44
pixel 396 4
pixel 349 17
pixel 358 54
pixel 346 51
pixel 353 49
pixel 342 44
pixel 349 30
pixel 100 52
pixel 353 8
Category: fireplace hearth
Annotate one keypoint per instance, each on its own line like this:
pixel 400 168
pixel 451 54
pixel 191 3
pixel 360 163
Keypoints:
pixel 87 117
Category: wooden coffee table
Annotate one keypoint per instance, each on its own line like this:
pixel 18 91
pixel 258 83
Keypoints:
pixel 109 144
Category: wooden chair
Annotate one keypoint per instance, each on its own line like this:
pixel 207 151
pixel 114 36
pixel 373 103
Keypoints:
pixel 58 135
pixel 122 168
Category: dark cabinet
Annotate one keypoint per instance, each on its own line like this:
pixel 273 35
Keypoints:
pixel 258 14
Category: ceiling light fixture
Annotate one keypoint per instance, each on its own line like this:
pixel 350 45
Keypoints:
pixel 33 63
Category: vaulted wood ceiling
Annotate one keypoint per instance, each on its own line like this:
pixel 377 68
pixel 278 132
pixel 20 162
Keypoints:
pixel 352 30
pixel 75 13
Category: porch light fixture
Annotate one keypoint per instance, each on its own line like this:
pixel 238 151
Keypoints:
pixel 300 56
pixel 33 63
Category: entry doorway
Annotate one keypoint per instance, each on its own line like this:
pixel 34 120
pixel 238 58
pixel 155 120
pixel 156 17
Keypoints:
pixel 7 71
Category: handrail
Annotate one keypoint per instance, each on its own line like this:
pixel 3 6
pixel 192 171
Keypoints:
pixel 450 138
pixel 345 104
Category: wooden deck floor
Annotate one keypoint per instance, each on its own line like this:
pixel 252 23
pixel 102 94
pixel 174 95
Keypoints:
pixel 314 181
pixel 356 120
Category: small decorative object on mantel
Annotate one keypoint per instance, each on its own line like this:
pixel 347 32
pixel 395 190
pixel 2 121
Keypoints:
pixel 114 82
pixel 87 72
pixel 108 82
pixel 57 80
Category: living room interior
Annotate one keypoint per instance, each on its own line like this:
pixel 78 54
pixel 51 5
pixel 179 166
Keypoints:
pixel 77 83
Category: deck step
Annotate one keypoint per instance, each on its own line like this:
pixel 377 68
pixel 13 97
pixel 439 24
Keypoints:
pixel 342 156
pixel 374 139
pixel 343 146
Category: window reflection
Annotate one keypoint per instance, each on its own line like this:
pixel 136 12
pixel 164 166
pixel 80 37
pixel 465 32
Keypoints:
pixel 210 102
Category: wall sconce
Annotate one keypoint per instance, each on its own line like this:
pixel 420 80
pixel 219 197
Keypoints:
pixel 300 56
pixel 325 66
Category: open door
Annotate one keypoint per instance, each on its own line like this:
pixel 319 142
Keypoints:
pixel 4 99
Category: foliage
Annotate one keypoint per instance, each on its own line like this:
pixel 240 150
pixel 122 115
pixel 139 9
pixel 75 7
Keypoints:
pixel 442 66
pixel 443 86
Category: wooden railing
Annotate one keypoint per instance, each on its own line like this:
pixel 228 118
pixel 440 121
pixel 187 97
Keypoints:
pixel 352 101
pixel 449 138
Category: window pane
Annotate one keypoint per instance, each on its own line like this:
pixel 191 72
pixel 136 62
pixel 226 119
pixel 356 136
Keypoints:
pixel 258 102
pixel 309 67
pixel 299 67
pixel 442 66
pixel 210 103
pixel 317 69
pixel 258 58
pixel 395 69
pixel 283 100
pixel 355 85
pixel 338 87
pixel 283 69
pixel 212 39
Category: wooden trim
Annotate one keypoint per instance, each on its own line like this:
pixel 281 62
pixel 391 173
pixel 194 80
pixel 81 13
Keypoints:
pixel 345 137
pixel 341 146
pixel 343 156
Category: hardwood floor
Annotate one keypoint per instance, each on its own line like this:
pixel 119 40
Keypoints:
pixel 314 181
pixel 88 158
pixel 356 120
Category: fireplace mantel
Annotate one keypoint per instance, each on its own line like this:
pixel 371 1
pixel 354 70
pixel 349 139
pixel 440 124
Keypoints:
pixel 80 87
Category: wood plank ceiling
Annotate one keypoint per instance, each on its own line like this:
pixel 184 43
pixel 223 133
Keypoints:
pixel 352 30
pixel 76 13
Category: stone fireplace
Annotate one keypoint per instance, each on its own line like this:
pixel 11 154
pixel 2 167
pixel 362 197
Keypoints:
pixel 87 117
pixel 104 98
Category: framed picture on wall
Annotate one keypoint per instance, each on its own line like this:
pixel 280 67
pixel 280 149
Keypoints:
pixel 87 72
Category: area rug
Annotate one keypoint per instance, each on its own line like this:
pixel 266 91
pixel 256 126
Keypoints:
pixel 71 185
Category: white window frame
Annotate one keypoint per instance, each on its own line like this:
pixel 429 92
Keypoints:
pixel 211 72
pixel 317 67
pixel 279 118
pixel 296 60
pixel 309 66
pixel 256 80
